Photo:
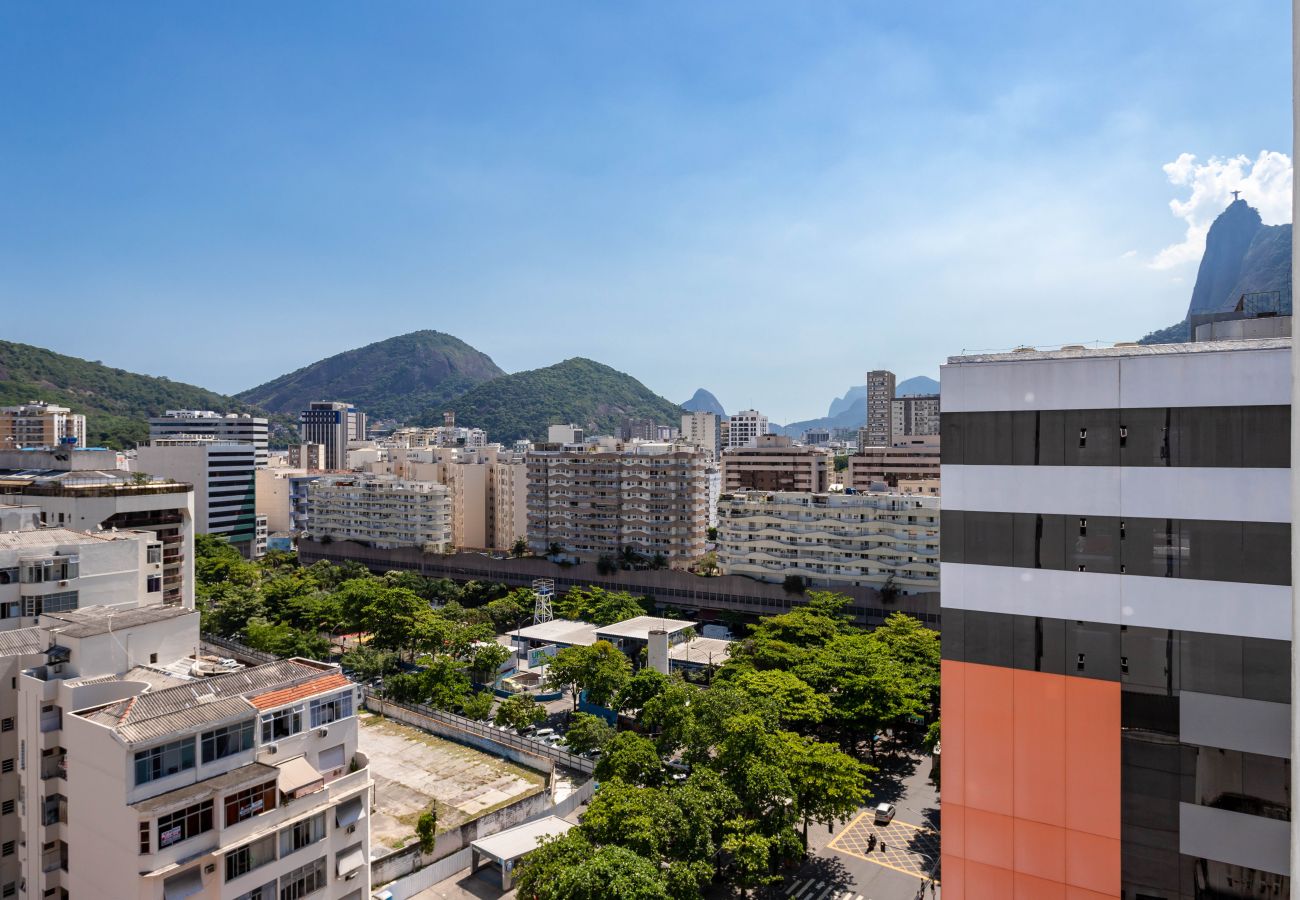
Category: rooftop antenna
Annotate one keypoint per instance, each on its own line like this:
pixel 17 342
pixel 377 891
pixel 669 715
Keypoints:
pixel 543 594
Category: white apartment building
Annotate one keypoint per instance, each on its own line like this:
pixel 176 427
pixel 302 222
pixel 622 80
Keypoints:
pixel 745 428
pixel 223 473
pixel 206 423
pixel 832 540
pixel 332 424
pixel 137 775
pixel 594 501
pixel 382 511
pixel 564 434
pixel 38 424
pixel 915 416
pixel 80 490
pixel 880 398
pixel 55 570
pixel 703 430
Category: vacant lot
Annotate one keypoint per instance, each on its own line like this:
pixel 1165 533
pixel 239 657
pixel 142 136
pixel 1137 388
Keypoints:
pixel 413 769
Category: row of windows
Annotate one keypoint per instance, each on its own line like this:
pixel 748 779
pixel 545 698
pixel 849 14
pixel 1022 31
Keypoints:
pixel 1210 436
pixel 184 824
pixel 1145 660
pixel 1244 552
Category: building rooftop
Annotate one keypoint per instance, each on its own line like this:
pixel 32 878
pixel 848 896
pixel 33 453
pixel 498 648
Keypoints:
pixel 559 631
pixel 701 651
pixel 1122 350
pixel 20 641
pixel 640 627
pixel 54 537
pixel 95 620
pixel 515 842
pixel 155 714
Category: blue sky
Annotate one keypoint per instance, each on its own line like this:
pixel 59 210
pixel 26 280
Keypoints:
pixel 766 199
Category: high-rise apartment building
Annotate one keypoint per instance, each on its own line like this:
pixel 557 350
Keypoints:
pixel 564 434
pixel 380 510
pixel 745 427
pixel 1116 566
pixel 332 424
pixel 775 463
pixel 916 416
pixel 909 459
pixel 880 399
pixel 38 424
pixel 703 430
pixel 82 490
pixel 592 502
pixel 205 423
pixel 308 457
pixel 869 539
pixel 223 473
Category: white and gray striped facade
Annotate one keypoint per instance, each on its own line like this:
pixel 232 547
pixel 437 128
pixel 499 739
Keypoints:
pixel 1116 571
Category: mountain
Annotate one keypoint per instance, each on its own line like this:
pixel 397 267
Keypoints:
pixel 1242 256
pixel 577 390
pixel 703 401
pixel 116 403
pixel 852 416
pixel 402 378
pixel 918 385
pixel 854 394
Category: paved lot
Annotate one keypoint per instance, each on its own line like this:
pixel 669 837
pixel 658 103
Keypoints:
pixel 413 769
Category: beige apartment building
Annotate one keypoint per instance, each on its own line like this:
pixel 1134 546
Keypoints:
pixel 381 511
pixel 911 459
pixel 703 430
pixel 834 540
pixel 914 416
pixel 775 463
pixel 595 501
pixel 83 491
pixel 880 398
pixel 38 424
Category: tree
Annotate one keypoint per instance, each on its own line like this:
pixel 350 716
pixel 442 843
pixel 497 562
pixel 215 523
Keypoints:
pixel 794 584
pixel 646 683
pixel 601 670
pixel 827 784
pixel 632 758
pixel 368 662
pixel 669 715
pixel 355 596
pixel 230 607
pixel 511 610
pixel 395 618
pixel 712 533
pixel 426 828
pixel 587 732
pixel 599 606
pixel 658 561
pixel 477 705
pixel 283 641
pixel 519 711
pixel 520 548
pixel 570 867
pixel 797 703
pixel 605 564
pixel 750 854
pixel 486 659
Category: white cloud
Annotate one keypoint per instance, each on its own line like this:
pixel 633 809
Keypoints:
pixel 1264 183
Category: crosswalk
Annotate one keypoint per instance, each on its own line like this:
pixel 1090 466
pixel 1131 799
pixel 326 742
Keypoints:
pixel 812 889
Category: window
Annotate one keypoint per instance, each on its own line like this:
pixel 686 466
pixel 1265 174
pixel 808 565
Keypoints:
pixel 302 834
pixel 144 837
pixel 331 709
pixel 7 766
pixel 303 881
pixel 10 889
pixel 154 584
pixel 7 848
pixel 249 802
pixel 249 857
pixel 265 892
pixel 164 760
pixel 281 723
pixel 222 742
pixel 7 808
pixel 62 601
pixel 7 724
pixel 154 553
pixel 184 824
pixel 42 571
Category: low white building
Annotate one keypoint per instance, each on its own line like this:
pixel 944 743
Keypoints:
pixel 851 539
pixel 382 511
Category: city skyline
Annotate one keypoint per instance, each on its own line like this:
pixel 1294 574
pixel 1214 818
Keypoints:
pixel 621 183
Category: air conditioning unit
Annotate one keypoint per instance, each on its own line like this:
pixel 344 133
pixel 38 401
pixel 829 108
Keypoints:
pixel 209 868
pixel 323 732
pixel 352 829
pixel 272 748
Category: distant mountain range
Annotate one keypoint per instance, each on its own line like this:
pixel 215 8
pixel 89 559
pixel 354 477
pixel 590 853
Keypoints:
pixel 577 390
pixel 399 379
pixel 116 403
pixel 1242 256
pixel 850 411
pixel 703 401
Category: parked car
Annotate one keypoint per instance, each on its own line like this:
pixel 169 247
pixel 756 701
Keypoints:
pixel 885 813
pixel 543 734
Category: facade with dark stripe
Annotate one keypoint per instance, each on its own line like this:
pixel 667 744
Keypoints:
pixel 1115 561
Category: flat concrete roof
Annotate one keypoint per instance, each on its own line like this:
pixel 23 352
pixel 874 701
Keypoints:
pixel 559 631
pixel 640 627
pixel 701 651
pixel 515 842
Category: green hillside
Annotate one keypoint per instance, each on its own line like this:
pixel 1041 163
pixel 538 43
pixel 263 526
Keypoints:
pixel 577 390
pixel 399 378
pixel 116 403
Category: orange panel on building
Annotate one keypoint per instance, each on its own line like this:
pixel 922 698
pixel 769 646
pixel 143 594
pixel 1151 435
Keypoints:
pixel 1031 793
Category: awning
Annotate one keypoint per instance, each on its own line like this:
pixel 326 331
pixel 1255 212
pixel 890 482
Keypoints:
pixel 347 812
pixel 350 860
pixel 298 777
pixel 184 884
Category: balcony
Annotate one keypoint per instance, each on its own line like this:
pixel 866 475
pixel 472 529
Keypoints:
pixel 54 765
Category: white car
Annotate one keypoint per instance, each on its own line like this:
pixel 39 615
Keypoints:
pixel 885 813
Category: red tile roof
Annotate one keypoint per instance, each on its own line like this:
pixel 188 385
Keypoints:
pixel 272 699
